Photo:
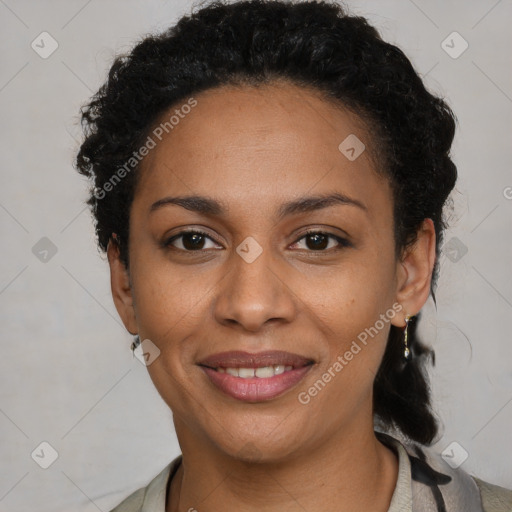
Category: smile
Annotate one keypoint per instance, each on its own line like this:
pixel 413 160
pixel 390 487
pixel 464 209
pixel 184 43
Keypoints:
pixel 256 384
pixel 255 377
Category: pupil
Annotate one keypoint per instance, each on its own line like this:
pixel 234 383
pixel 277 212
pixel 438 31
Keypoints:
pixel 197 241
pixel 318 237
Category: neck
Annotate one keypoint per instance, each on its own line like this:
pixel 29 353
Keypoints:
pixel 353 472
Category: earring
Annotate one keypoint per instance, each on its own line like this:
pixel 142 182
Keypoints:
pixel 407 352
pixel 135 343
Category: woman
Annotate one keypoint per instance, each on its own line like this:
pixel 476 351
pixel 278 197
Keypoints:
pixel 269 181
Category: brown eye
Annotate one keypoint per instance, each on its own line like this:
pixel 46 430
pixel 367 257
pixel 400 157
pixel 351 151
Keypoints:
pixel 319 241
pixel 190 241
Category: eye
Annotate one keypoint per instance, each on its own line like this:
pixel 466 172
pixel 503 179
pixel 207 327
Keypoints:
pixel 192 240
pixel 319 241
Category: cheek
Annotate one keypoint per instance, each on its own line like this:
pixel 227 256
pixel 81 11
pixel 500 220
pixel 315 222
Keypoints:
pixel 170 311
pixel 168 300
pixel 354 310
pixel 358 320
pixel 352 298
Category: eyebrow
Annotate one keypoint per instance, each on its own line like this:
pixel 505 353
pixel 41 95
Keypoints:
pixel 208 206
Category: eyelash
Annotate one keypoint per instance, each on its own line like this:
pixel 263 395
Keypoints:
pixel 342 241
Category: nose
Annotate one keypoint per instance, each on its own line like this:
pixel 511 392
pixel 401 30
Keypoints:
pixel 255 293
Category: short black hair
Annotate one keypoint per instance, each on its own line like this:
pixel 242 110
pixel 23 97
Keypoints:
pixel 313 44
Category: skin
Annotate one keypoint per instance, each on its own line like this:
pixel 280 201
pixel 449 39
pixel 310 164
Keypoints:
pixel 254 149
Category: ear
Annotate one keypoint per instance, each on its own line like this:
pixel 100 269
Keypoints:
pixel 415 273
pixel 121 288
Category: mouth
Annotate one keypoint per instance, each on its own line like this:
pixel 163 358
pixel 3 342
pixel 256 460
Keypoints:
pixel 255 377
pixel 260 372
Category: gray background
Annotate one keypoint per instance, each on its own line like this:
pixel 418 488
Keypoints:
pixel 67 374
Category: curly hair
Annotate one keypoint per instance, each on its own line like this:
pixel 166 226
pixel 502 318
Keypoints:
pixel 313 44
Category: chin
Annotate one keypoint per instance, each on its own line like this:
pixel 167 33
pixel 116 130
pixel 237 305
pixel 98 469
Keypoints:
pixel 259 447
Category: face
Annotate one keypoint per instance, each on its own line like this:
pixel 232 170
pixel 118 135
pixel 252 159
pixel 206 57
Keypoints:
pixel 294 260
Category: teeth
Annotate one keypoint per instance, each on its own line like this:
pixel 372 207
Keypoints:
pixel 263 372
pixel 246 373
pixel 278 369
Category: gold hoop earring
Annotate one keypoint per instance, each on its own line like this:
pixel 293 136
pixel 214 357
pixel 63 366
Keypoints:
pixel 407 351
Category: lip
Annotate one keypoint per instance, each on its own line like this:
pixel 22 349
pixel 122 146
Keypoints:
pixel 240 359
pixel 255 389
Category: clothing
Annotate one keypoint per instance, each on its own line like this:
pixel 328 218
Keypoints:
pixel 426 483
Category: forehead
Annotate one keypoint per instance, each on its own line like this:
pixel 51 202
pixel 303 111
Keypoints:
pixel 261 144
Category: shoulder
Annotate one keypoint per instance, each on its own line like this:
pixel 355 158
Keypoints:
pixel 466 491
pixel 494 497
pixel 133 503
pixel 443 485
pixel 152 496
